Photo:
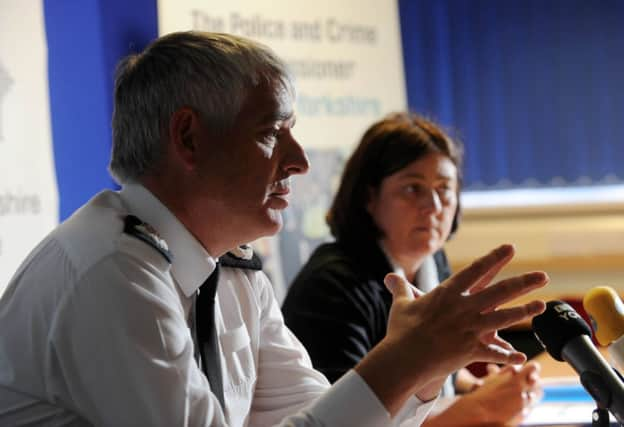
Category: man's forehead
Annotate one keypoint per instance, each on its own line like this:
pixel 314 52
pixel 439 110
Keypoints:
pixel 268 103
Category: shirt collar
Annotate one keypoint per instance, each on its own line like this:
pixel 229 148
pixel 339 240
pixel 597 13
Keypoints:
pixel 395 266
pixel 191 263
pixel 426 277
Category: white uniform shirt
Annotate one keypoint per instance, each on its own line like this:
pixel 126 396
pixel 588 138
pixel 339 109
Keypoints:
pixel 94 330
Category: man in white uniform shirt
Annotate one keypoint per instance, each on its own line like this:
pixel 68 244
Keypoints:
pixel 97 327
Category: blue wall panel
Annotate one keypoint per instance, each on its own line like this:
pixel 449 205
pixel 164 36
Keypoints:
pixel 85 41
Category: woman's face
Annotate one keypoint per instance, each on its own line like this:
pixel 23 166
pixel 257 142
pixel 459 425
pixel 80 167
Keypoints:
pixel 415 207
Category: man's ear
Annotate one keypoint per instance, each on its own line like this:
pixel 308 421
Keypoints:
pixel 184 131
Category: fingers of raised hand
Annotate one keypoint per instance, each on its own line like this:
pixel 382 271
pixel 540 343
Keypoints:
pixel 494 354
pixel 484 281
pixel 508 289
pixel 481 268
pixel 493 338
pixel 506 317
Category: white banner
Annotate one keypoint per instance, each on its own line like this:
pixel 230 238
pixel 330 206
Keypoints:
pixel 28 193
pixel 346 55
pixel 347 59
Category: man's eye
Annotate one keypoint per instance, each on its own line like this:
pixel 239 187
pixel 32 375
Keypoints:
pixel 270 137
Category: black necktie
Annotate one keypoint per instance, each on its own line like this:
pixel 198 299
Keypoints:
pixel 207 334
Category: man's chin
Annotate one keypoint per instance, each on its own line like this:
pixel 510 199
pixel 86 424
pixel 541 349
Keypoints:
pixel 275 221
pixel 265 224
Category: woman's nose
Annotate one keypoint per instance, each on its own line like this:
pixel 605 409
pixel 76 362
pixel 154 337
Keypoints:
pixel 431 202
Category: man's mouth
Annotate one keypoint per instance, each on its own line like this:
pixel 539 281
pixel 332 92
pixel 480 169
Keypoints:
pixel 280 189
pixel 279 196
pixel 279 192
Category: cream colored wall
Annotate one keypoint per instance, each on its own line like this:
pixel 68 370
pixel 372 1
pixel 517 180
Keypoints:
pixel 579 246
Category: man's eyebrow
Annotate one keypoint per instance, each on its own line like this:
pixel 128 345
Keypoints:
pixel 279 115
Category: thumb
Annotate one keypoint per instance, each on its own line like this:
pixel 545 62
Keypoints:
pixel 398 286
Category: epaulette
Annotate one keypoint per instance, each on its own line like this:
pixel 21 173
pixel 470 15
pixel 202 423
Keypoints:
pixel 241 257
pixel 143 231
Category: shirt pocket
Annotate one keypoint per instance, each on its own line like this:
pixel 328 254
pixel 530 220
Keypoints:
pixel 240 369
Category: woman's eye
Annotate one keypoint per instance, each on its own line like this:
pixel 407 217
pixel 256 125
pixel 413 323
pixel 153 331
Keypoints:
pixel 446 193
pixel 413 188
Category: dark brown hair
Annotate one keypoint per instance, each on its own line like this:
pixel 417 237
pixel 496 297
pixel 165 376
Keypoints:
pixel 386 147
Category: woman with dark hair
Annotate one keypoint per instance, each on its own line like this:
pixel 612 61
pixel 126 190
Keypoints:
pixel 396 206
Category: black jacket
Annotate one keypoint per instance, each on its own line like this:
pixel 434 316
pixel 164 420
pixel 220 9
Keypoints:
pixel 338 304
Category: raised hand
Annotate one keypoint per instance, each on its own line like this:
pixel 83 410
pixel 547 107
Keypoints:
pixel 432 335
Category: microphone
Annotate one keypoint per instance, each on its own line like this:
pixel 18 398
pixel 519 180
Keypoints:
pixel 566 336
pixel 606 311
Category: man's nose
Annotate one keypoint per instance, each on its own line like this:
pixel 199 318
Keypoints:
pixel 295 159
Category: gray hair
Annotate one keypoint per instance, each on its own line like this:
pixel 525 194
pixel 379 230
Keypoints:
pixel 208 72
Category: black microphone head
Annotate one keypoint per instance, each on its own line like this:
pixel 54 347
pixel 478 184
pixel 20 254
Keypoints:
pixel 556 326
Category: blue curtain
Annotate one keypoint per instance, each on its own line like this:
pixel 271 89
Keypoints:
pixel 85 40
pixel 534 88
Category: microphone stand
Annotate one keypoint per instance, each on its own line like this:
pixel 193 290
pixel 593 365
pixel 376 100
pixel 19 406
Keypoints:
pixel 600 417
